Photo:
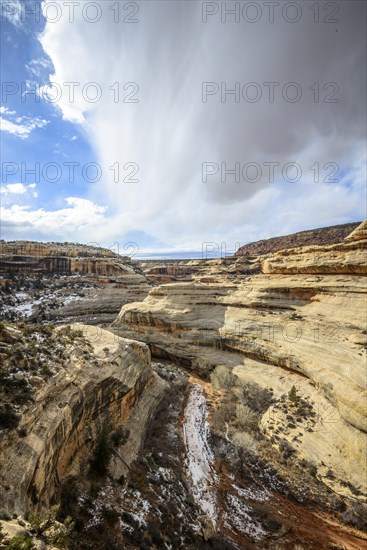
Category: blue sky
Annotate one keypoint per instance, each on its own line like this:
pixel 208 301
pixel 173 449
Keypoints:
pixel 160 54
pixel 25 65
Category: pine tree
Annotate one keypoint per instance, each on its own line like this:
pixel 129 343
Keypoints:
pixel 102 453
pixel 292 395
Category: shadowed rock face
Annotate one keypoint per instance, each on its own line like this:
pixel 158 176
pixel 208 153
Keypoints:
pixel 300 321
pixel 68 412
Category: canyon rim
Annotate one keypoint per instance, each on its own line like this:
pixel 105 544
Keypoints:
pixel 191 403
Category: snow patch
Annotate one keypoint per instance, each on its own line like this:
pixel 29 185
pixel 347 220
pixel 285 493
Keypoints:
pixel 239 516
pixel 200 458
pixel 253 493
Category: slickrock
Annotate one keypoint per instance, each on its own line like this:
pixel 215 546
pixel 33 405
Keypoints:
pixel 297 317
pixel 59 429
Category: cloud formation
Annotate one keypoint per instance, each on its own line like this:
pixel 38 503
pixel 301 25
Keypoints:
pixel 16 188
pixel 81 217
pixel 20 126
pixel 170 132
pixel 13 11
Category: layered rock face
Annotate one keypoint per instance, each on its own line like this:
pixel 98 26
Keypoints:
pixel 67 282
pixel 208 270
pixel 300 321
pixel 31 257
pixel 169 271
pixel 59 430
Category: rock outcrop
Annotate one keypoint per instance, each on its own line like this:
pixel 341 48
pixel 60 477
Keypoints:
pixel 63 258
pixel 322 236
pixel 294 318
pixel 99 384
pixel 66 282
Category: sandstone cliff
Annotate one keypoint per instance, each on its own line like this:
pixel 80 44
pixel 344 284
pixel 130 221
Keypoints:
pixel 100 380
pixel 300 321
pixel 30 257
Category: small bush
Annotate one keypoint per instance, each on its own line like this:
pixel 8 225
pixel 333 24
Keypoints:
pixel 20 542
pixel 246 418
pixel 9 420
pixel 119 436
pixel 292 396
pixel 223 377
pixel 257 398
pixel 286 449
pixel 111 515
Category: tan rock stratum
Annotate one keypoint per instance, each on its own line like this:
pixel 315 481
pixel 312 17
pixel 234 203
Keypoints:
pixel 296 317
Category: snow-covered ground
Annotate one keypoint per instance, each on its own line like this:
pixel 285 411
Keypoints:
pixel 24 304
pixel 240 517
pixel 254 493
pixel 200 458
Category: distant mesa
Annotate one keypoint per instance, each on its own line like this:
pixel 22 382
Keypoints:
pixel 322 236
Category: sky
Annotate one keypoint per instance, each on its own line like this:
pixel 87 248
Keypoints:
pixel 180 128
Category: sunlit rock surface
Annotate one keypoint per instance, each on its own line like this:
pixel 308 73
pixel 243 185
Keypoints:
pixel 300 321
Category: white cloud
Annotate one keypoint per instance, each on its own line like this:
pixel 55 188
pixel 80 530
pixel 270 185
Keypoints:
pixel 22 126
pixel 6 111
pixel 80 217
pixel 13 11
pixel 171 132
pixel 16 188
pixel 39 67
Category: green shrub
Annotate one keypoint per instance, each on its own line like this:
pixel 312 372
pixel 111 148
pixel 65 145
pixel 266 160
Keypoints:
pixel 111 515
pixel 45 524
pixel 8 418
pixel 20 542
pixel 292 395
pixel 119 436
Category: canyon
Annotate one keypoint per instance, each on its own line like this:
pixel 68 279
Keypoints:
pixel 238 385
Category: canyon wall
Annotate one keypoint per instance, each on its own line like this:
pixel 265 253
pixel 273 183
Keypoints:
pixel 99 383
pixel 31 257
pixel 293 318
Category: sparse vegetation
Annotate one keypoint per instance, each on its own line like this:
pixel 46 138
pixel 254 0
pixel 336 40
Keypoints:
pixel 20 542
pixel 46 527
pixel 9 420
pixel 32 352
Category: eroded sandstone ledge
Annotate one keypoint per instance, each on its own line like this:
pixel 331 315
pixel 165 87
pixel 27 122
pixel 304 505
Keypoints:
pixel 300 320
pixel 70 408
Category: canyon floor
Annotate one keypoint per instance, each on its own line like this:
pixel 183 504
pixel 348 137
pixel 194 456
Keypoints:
pixel 185 404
